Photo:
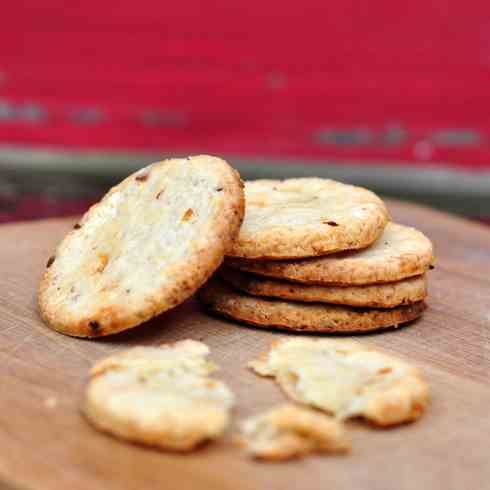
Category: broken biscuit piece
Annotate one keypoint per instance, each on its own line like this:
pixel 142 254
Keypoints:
pixel 346 379
pixel 159 396
pixel 289 431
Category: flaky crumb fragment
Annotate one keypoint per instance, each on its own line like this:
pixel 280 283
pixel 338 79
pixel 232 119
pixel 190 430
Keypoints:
pixel 289 431
pixel 51 402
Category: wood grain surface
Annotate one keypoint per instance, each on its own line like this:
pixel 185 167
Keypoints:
pixel 46 444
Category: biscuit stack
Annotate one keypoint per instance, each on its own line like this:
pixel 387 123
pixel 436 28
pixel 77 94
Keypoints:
pixel 309 254
pixel 318 255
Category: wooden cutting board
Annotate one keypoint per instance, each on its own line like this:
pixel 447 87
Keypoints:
pixel 45 443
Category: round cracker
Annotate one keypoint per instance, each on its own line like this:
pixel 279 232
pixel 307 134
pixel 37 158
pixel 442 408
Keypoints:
pixel 400 252
pixel 404 292
pixel 314 317
pixel 307 217
pixel 148 245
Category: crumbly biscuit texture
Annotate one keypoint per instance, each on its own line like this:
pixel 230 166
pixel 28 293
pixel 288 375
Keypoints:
pixel 346 379
pixel 289 431
pixel 148 245
pixel 159 396
pixel 388 295
pixel 221 298
pixel 400 252
pixel 307 217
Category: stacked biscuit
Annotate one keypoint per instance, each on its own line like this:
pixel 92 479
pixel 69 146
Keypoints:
pixel 318 255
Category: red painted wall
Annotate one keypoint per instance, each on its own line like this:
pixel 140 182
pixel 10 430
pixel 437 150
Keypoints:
pixel 345 79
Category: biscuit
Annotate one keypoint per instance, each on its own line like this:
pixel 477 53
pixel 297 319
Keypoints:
pixel 289 431
pixel 159 396
pixel 307 317
pixel 150 243
pixel 346 379
pixel 307 217
pixel 387 295
pixel 399 253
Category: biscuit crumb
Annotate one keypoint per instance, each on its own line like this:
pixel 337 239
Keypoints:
pixel 51 402
pixel 289 431
pixel 50 261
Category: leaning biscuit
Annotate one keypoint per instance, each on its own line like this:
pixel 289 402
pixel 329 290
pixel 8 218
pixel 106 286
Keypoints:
pixel 159 396
pixel 388 295
pixel 305 317
pixel 306 217
pixel 400 252
pixel 346 379
pixel 150 243
pixel 289 431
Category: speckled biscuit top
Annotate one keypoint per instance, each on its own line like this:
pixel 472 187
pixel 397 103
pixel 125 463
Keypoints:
pixel 307 217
